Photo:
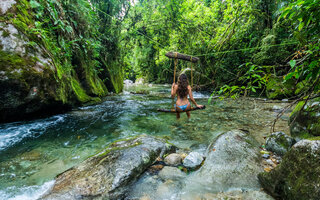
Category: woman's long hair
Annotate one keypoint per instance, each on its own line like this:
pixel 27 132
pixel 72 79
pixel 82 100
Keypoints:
pixel 183 86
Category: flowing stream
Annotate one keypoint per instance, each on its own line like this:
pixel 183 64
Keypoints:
pixel 32 153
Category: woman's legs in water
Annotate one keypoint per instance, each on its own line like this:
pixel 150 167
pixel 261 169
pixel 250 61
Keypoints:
pixel 178 115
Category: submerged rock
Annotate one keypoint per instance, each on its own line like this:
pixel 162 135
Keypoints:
pixel 279 143
pixel 298 176
pixel 232 161
pixel 173 159
pixel 107 174
pixel 171 173
pixel 305 121
pixel 231 195
pixel 193 160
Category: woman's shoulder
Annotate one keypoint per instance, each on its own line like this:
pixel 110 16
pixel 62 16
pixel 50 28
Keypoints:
pixel 189 87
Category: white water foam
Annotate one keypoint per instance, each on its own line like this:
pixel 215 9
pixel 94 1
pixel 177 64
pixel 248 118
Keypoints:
pixel 26 193
pixel 13 133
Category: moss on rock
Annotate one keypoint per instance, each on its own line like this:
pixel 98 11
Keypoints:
pixel 305 121
pixel 298 176
pixel 276 89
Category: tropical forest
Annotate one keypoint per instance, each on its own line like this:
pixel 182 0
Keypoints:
pixel 160 99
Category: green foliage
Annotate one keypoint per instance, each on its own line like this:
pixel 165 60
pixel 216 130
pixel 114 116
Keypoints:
pixel 76 37
pixel 217 31
pixel 253 79
pixel 305 16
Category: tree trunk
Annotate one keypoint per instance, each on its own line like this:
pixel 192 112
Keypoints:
pixel 182 56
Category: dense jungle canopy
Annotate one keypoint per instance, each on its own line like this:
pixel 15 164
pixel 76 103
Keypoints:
pixel 244 46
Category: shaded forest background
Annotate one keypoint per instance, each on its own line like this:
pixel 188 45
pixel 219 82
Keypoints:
pixel 245 47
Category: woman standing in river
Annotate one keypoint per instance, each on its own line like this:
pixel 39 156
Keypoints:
pixel 182 90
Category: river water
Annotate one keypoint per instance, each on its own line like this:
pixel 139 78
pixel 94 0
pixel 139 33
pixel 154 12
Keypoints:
pixel 32 153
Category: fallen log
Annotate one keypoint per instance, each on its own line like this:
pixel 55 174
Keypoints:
pixel 174 110
pixel 182 56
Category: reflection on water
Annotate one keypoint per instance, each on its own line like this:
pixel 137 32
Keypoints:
pixel 33 153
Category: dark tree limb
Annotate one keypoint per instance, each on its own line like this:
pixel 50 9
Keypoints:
pixel 182 56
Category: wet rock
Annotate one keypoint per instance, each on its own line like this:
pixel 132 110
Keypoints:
pixel 298 175
pixel 27 79
pixel 107 174
pixel 265 156
pixel 168 190
pixel 231 195
pixel 193 160
pixel 305 121
pixel 232 161
pixel 279 143
pixel 5 5
pixel 155 168
pixel 171 173
pixel 31 155
pixel 173 159
pixel 145 197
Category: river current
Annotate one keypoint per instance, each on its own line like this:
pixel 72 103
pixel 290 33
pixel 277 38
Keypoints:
pixel 32 153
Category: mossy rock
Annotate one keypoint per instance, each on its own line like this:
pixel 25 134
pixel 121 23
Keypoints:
pixel 305 121
pixel 298 176
pixel 108 174
pixel 279 143
pixel 277 89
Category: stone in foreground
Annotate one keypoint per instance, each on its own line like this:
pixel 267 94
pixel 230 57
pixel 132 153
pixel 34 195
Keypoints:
pixel 298 176
pixel 232 161
pixel 107 174
pixel 279 143
pixel 173 159
pixel 171 173
pixel 193 160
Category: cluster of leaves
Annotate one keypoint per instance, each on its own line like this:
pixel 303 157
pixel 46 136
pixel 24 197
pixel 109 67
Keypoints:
pixel 305 17
pixel 253 80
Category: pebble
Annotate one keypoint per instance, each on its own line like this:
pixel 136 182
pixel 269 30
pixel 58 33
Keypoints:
pixel 266 156
pixel 173 159
pixel 193 160
pixel 269 162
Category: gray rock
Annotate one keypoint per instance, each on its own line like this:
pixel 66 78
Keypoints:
pixel 298 175
pixel 233 194
pixel 232 161
pixel 5 5
pixel 266 156
pixel 193 160
pixel 107 174
pixel 171 173
pixel 173 159
pixel 279 143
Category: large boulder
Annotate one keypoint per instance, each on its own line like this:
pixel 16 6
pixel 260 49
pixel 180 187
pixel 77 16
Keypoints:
pixel 232 163
pixel 305 120
pixel 107 174
pixel 298 176
pixel 279 143
pixel 26 72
